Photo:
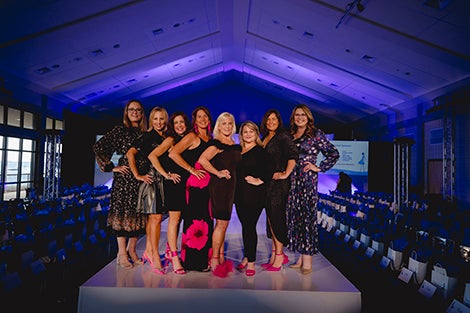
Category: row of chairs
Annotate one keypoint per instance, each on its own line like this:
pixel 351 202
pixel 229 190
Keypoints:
pixel 390 243
pixel 50 247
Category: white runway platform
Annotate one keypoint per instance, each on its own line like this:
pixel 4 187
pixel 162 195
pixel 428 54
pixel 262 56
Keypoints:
pixel 139 290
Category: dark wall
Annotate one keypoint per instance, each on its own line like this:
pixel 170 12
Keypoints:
pixel 381 160
pixel 78 161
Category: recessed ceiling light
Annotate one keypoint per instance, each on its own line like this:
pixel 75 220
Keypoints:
pixel 96 52
pixel 157 31
pixel 43 70
pixel 308 34
pixel 368 58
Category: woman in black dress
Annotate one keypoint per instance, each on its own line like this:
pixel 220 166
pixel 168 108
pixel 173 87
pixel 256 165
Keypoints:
pixel 278 143
pixel 220 159
pixel 173 185
pixel 150 200
pixel 124 220
pixel 253 175
pixel 197 222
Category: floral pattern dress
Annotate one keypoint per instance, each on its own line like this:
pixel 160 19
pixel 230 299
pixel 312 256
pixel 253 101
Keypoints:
pixel 123 217
pixel 302 231
pixel 198 225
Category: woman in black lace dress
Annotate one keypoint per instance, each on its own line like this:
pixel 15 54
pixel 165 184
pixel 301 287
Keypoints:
pixel 278 143
pixel 124 220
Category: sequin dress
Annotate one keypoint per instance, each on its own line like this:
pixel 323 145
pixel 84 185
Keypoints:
pixel 123 218
pixel 281 149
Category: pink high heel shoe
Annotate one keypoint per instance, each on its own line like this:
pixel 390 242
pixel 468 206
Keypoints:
pixel 179 271
pixel 276 269
pixel 146 258
pixel 284 261
pixel 220 270
pixel 159 271
pixel 169 255
pixel 240 267
pixel 250 272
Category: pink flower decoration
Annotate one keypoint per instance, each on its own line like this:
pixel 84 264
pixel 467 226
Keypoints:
pixel 194 181
pixel 196 235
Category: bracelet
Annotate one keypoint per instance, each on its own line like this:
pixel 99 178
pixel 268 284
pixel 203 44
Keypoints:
pixel 190 170
pixel 169 175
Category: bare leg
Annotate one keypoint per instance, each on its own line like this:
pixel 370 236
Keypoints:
pixel 306 262
pixel 155 221
pixel 218 237
pixel 122 257
pixel 172 237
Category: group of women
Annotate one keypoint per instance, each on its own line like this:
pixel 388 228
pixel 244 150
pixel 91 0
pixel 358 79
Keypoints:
pixel 197 175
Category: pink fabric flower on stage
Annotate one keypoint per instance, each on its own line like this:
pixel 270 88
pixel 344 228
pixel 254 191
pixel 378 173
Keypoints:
pixel 196 235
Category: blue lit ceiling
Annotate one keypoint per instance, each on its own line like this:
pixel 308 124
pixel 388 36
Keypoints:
pixel 93 56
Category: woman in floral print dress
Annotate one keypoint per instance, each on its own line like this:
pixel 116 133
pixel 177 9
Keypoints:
pixel 302 202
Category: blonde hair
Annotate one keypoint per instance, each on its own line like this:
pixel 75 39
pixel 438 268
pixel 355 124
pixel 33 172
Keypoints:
pixel 152 115
pixel 224 115
pixel 251 125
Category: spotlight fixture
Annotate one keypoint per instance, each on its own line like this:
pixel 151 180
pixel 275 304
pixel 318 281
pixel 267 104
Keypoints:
pixel 359 6
pixel 349 7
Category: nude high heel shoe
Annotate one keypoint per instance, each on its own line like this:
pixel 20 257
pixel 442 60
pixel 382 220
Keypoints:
pixel 122 260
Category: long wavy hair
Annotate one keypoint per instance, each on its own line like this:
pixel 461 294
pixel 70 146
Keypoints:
pixel 251 125
pixel 310 127
pixel 193 121
pixel 264 129
pixel 125 118
pixel 171 129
